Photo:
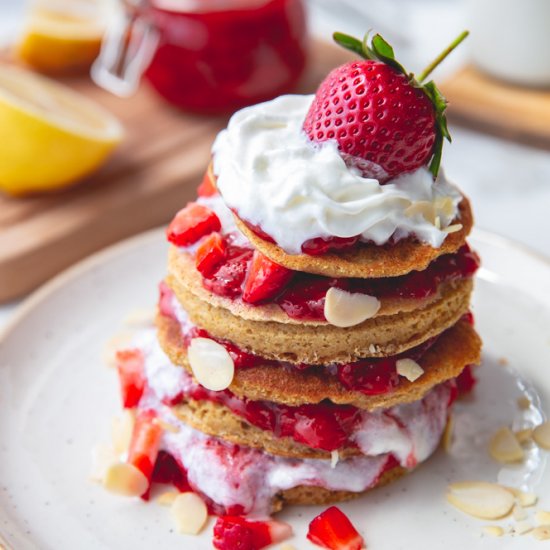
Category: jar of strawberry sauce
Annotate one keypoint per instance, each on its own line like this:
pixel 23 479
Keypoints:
pixel 207 56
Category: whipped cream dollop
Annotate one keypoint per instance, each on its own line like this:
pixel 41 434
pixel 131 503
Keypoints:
pixel 274 177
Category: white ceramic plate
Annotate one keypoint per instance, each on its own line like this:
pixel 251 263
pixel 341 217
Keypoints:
pixel 57 399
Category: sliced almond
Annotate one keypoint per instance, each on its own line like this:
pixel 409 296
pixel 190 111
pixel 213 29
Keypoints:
pixel 526 499
pixel 121 430
pixel 166 499
pixel 211 363
pixel 480 499
pixel 344 309
pixel 524 436
pixel 120 340
pixel 444 205
pixel 493 530
pixel 103 457
pixel 542 532
pixel 125 479
pixel 409 369
pixel 522 527
pixel 542 517
pixel 447 439
pixel 454 228
pixel 541 435
pixel 287 546
pixel 189 513
pixel 504 447
pixel 334 458
pixel 425 208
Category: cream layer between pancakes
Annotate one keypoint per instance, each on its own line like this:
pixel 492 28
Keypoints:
pixel 231 475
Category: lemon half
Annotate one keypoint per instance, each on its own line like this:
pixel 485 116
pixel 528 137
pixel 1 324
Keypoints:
pixel 50 136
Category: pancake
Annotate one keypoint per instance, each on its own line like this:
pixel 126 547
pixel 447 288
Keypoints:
pixel 457 347
pixel 324 344
pixel 217 420
pixel 181 266
pixel 368 261
pixel 309 495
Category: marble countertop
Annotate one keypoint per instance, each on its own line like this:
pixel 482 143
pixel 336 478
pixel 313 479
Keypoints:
pixel 508 183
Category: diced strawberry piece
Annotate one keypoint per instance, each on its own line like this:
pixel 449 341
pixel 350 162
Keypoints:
pixel 238 533
pixel 129 365
pixel 332 529
pixel 145 442
pixel 206 187
pixel 191 223
pixel 265 279
pixel 210 253
pixel 318 246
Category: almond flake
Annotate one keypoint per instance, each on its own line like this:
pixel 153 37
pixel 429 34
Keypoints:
pixel 541 435
pixel 409 369
pixel 125 479
pixel 447 438
pixel 425 208
pixel 345 309
pixel 120 340
pixel 504 447
pixel 542 532
pixel 334 458
pixel 189 513
pixel 493 531
pixel 522 527
pixel 523 402
pixel 481 499
pixel 166 499
pixel 526 499
pixel 542 517
pixel 121 430
pixel 523 436
pixel 437 222
pixel 211 364
pixel 103 457
pixel 287 547
pixel 453 228
pixel 444 205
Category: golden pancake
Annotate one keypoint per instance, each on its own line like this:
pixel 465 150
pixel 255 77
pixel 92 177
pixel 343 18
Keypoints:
pixel 217 420
pixel 368 261
pixel 457 347
pixel 181 266
pixel 323 344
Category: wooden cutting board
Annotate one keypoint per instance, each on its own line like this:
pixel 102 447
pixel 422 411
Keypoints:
pixel 153 173
pixel 506 110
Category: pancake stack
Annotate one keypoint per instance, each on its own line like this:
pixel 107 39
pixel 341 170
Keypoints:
pixel 275 377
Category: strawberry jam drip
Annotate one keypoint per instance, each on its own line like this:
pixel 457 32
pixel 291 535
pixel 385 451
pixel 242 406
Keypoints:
pixel 303 297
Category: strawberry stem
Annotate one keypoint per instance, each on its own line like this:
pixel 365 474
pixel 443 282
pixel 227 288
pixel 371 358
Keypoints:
pixel 429 69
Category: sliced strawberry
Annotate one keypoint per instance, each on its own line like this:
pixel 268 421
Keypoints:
pixel 191 223
pixel 169 470
pixel 129 365
pixel 145 442
pixel 207 187
pixel 265 279
pixel 238 533
pixel 332 529
pixel 210 253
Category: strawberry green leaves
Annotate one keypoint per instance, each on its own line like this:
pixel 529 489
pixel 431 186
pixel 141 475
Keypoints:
pixel 380 50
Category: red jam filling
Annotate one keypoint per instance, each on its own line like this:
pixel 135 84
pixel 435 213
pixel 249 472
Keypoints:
pixel 303 296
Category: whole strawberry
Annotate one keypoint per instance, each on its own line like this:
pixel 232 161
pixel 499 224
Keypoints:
pixel 384 120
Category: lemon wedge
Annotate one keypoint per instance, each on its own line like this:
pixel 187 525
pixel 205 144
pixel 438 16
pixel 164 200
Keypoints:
pixel 63 36
pixel 51 136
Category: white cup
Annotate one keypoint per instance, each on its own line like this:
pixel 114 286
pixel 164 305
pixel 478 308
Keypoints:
pixel 510 39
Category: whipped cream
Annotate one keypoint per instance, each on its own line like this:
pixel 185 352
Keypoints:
pixel 274 177
pixel 232 475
